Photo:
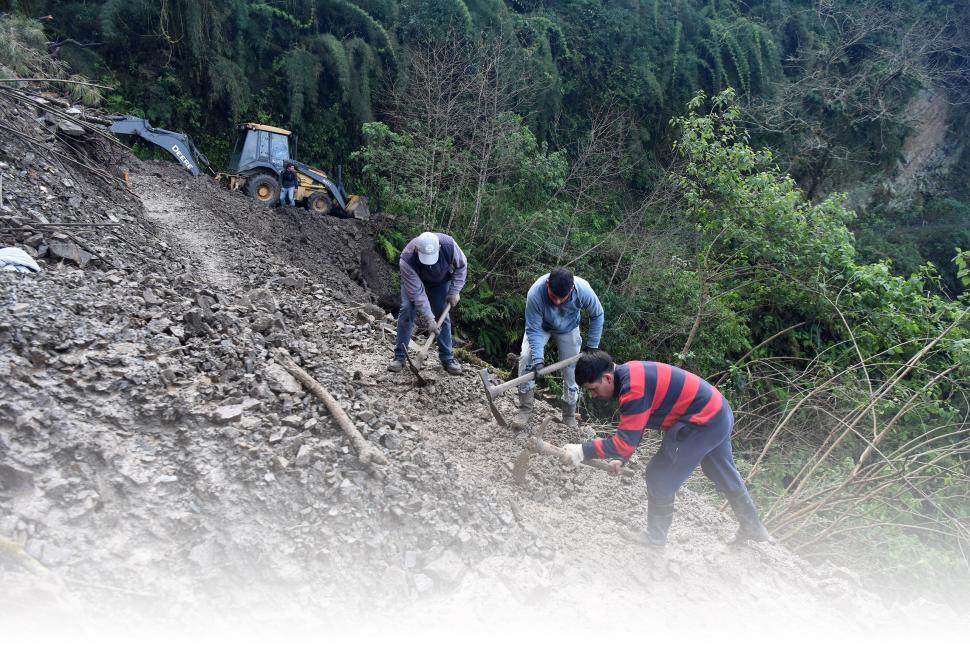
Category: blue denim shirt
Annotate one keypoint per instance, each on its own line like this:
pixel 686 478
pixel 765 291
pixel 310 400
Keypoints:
pixel 541 314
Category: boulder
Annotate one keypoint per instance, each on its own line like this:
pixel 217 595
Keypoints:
pixel 68 251
pixel 448 570
pixel 228 413
pixel 263 300
pixel 303 456
pixel 70 128
pixel 150 299
pixel 262 323
pixel 423 584
pixel 280 380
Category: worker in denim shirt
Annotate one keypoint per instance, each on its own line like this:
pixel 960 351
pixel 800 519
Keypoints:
pixel 553 309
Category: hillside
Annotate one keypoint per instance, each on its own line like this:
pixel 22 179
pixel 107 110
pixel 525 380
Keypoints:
pixel 162 475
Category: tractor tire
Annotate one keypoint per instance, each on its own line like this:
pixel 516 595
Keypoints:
pixel 319 203
pixel 264 189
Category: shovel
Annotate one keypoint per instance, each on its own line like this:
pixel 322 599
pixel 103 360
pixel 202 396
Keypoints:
pixel 418 362
pixel 492 392
pixel 536 445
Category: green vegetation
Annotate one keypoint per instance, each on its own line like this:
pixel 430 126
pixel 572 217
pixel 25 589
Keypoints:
pixel 693 159
pixel 24 54
pixel 851 381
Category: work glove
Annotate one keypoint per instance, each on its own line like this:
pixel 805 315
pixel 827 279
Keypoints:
pixel 588 349
pixel 539 379
pixel 574 455
pixel 429 325
pixel 453 299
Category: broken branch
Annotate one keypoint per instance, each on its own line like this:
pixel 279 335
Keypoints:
pixel 365 451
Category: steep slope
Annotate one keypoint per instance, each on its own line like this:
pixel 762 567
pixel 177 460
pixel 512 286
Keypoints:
pixel 160 472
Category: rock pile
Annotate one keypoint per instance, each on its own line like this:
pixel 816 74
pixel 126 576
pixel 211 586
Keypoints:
pixel 142 409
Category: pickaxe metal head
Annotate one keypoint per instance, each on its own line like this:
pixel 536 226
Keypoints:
pixel 416 369
pixel 521 466
pixel 490 396
pixel 422 355
pixel 492 392
pixel 419 359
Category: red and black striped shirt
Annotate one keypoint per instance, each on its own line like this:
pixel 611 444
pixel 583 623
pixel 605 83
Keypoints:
pixel 654 395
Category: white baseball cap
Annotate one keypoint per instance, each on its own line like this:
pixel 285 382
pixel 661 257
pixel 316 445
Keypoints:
pixel 428 246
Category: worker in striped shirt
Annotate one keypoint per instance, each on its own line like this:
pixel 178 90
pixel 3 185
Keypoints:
pixel 696 422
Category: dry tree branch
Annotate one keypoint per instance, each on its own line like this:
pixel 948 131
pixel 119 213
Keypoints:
pixel 806 474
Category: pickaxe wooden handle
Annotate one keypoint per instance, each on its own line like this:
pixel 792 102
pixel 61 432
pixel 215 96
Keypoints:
pixel 492 392
pixel 418 362
pixel 540 446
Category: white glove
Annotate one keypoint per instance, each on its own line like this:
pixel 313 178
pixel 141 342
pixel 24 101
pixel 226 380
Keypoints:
pixel 574 455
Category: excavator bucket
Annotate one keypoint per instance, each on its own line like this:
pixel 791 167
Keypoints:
pixel 357 207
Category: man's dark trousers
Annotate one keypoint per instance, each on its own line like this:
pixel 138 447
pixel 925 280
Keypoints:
pixel 437 297
pixel 684 447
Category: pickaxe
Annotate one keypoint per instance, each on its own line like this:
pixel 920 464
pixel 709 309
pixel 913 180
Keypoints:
pixel 492 392
pixel 418 362
pixel 536 445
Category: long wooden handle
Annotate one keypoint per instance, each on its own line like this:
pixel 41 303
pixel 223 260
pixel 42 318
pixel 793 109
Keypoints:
pixel 522 379
pixel 548 449
pixel 431 338
pixel 605 466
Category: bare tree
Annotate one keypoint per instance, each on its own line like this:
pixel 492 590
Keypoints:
pixel 455 98
pixel 427 104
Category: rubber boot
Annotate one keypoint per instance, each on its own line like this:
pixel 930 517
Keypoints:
pixel 750 527
pixel 524 414
pixel 660 514
pixel 569 415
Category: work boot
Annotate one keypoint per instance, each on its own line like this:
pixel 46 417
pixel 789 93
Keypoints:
pixel 750 527
pixel 522 416
pixel 453 367
pixel 659 517
pixel 569 415
pixel 396 365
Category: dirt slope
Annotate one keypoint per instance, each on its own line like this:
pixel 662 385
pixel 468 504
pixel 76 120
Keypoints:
pixel 159 471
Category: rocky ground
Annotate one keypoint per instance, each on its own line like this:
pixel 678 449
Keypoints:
pixel 158 464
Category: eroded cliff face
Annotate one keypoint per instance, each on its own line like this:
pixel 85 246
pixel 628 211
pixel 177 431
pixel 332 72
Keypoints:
pixel 929 154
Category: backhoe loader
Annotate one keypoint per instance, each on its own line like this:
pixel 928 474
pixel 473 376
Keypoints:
pixel 258 158
pixel 257 162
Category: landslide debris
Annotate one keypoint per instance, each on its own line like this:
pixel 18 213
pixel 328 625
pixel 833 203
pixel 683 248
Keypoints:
pixel 144 424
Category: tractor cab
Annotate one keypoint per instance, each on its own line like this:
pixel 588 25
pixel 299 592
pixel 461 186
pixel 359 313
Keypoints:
pixel 259 146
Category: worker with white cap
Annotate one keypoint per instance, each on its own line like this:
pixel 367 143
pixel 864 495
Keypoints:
pixel 433 272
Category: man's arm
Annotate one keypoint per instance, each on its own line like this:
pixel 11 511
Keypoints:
pixel 533 324
pixel 620 445
pixel 412 283
pixel 591 303
pixel 624 442
pixel 460 263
